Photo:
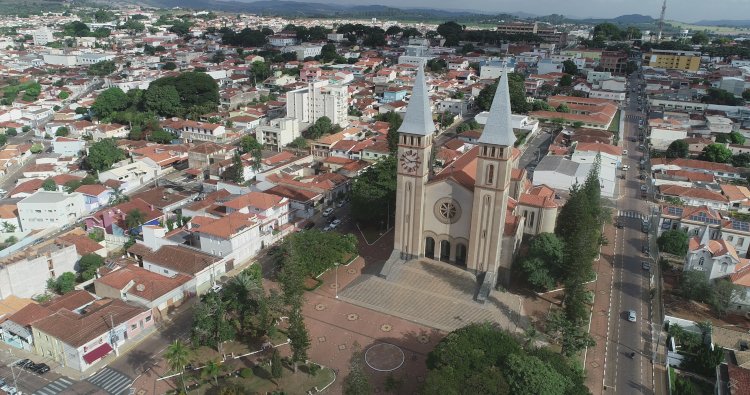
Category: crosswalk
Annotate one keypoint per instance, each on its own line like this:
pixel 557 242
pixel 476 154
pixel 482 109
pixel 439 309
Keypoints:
pixel 54 387
pixel 633 117
pixel 631 214
pixel 111 381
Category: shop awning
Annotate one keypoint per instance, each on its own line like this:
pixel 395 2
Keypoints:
pixel 97 353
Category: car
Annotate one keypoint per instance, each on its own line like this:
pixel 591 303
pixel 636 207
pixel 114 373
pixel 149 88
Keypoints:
pixel 625 167
pixel 216 287
pixel 39 368
pixel 624 152
pixel 645 265
pixel 341 203
pixel 642 177
pixel 644 188
pixel 9 389
pixel 24 363
pixel 633 139
pixel 328 228
pixel 631 315
pixel 327 211
pixel 619 225
pixel 645 249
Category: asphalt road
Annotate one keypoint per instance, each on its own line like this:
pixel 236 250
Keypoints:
pixel 630 285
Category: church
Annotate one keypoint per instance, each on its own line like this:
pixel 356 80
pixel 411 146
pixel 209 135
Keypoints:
pixel 474 212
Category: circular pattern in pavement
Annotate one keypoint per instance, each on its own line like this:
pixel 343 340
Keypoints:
pixel 351 270
pixel 384 357
pixel 333 286
pixel 386 327
pixel 424 339
pixel 352 317
pixel 320 307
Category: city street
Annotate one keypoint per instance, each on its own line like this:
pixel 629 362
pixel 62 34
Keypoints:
pixel 628 367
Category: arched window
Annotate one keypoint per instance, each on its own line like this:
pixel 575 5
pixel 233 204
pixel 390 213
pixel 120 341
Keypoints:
pixel 490 174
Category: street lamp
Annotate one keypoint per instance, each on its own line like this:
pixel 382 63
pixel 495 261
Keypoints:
pixel 336 271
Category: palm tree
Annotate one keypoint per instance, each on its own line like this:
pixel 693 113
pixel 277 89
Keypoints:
pixel 177 356
pixel 118 196
pixel 212 369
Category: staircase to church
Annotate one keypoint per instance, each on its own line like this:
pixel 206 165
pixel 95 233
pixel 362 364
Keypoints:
pixel 432 294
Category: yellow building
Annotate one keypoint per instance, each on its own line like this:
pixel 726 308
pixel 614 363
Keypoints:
pixel 680 60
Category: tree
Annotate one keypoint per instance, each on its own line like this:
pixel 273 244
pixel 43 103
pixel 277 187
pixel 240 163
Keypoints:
pixel 88 265
pixel 177 356
pixel 569 67
pixel 134 218
pixel 721 97
pixel 741 160
pixel 723 293
pixel 518 102
pixel 62 131
pixel 163 100
pixel 328 53
pixel 211 326
pixel 212 369
pixel 437 65
pixel 133 26
pixel 528 375
pixel 71 186
pixel 373 193
pixel 169 66
pixel 451 32
pixel 63 284
pixel 36 148
pixel 674 241
pixel 276 368
pixel 678 149
pixel 260 71
pixel 716 153
pixel 248 143
pixel 49 185
pixel 566 80
pixel 356 382
pixel 746 94
pixel 563 108
pixel 63 95
pixel 161 136
pixel 683 386
pixel 699 38
pixel 218 57
pixel 299 143
pixel 108 102
pixel 198 92
pixel 736 138
pixel 101 69
pixel 299 339
pixel 103 154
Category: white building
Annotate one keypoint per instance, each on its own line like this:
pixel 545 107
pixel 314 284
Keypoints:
pixel 661 138
pixel 416 55
pixel 45 209
pixel 560 173
pixel 202 131
pixel 317 100
pixel 304 51
pixel 25 273
pixel 719 124
pixel 278 133
pixel 66 146
pixel 281 41
pixel 42 36
pixel 133 175
pixel 608 95
pixel 92 58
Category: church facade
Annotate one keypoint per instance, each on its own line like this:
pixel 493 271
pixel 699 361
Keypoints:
pixel 468 213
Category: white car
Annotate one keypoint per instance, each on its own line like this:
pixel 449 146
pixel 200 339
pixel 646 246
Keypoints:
pixel 631 315
pixel 216 287
pixel 335 223
pixel 624 152
pixel 327 211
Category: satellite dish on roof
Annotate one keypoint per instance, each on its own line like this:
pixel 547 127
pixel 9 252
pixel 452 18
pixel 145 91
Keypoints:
pixel 140 287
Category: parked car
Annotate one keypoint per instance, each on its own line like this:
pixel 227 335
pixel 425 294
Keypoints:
pixel 631 315
pixel 9 389
pixel 24 363
pixel 39 368
pixel 645 265
pixel 335 223
pixel 216 288
pixel 645 249
pixel 619 225
pixel 327 211
pixel 624 152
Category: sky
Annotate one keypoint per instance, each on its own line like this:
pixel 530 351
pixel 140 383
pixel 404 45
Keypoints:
pixel 681 10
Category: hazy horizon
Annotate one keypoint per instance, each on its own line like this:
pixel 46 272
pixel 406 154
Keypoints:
pixel 683 10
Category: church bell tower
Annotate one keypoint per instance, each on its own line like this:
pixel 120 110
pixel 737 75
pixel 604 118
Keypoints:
pixel 414 149
pixel 491 187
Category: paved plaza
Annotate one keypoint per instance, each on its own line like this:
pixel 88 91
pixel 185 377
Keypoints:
pixel 433 294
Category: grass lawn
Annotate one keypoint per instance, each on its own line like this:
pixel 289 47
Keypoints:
pixel 262 382
pixel 614 127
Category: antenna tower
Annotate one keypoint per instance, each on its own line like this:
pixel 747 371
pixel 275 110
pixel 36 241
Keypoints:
pixel 661 20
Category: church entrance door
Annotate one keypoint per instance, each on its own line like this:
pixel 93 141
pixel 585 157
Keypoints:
pixel 429 248
pixel 445 250
pixel 461 254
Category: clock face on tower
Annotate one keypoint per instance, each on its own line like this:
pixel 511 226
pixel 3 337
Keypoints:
pixel 410 161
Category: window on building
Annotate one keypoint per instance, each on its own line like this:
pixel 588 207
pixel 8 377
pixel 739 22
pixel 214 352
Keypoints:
pixel 490 174
pixel 740 241
pixel 148 318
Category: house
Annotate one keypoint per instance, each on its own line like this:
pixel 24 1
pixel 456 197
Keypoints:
pixel 236 235
pixel 694 220
pixel 272 210
pixel 539 210
pixel 134 284
pixel 170 260
pixel 202 131
pixel 161 156
pixel 718 170
pixel 714 258
pixel 201 156
pixel 67 146
pixel 45 209
pixel 94 196
pixel 131 175
pixel 662 138
pixel 16 329
pixel 560 173
pixel 112 220
pixel 694 196
pixel 78 339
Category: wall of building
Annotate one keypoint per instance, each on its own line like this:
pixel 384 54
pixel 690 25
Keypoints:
pixel 28 277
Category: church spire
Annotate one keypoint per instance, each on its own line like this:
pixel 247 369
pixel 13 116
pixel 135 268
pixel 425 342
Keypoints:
pixel 499 130
pixel 418 118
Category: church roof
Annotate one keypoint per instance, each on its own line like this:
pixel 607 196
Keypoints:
pixel 463 170
pixel 499 130
pixel 418 117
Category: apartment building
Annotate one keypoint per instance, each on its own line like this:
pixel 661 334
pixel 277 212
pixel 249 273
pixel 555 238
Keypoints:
pixel 24 274
pixel 42 36
pixel 319 99
pixel 44 209
pixel 666 59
